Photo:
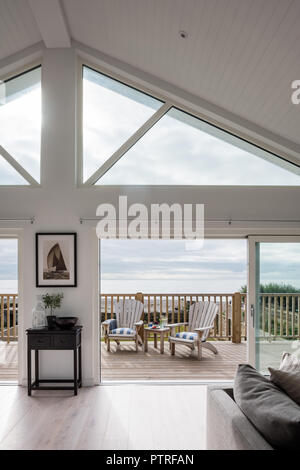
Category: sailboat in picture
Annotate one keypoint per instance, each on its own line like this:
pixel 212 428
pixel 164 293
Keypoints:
pixel 56 266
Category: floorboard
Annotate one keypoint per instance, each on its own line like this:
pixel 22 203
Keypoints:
pixel 110 417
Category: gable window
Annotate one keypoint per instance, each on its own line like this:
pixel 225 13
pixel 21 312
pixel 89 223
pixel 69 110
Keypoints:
pixel 112 113
pixel 130 138
pixel 20 129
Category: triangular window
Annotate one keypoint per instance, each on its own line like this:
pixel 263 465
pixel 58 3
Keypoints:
pixel 112 113
pixel 20 124
pixel 181 149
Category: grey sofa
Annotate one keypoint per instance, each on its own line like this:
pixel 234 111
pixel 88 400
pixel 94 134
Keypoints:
pixel 227 426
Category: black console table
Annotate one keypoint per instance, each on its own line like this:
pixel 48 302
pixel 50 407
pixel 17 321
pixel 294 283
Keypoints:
pixel 57 339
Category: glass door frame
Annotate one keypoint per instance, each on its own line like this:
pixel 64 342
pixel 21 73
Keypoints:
pixel 253 269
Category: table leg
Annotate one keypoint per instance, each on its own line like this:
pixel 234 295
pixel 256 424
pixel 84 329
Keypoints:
pixel 29 371
pixel 145 341
pixel 155 340
pixel 162 342
pixel 80 366
pixel 37 375
pixel 75 372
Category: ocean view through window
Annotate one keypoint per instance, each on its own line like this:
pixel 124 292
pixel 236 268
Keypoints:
pixel 8 266
pixel 172 266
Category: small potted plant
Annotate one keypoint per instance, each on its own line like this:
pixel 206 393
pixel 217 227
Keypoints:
pixel 52 302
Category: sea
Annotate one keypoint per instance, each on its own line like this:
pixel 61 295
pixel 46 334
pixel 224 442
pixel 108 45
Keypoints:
pixel 171 286
pixel 152 286
pixel 8 286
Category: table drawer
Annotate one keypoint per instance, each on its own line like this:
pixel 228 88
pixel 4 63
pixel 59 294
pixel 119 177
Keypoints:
pixel 64 342
pixel 39 342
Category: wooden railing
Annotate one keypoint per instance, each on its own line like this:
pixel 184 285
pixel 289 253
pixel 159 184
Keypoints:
pixel 230 323
pixel 279 316
pixel 8 317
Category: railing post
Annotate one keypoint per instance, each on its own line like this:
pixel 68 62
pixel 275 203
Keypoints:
pixel 139 296
pixel 236 317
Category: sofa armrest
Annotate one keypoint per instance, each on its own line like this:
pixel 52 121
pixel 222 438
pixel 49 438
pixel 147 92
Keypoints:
pixel 227 426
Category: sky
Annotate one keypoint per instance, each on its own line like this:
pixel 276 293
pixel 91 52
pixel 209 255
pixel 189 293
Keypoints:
pixel 171 266
pixel 179 149
pixel 20 126
pixel 8 265
pixel 167 266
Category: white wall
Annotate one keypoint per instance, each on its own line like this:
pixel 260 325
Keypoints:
pixel 58 204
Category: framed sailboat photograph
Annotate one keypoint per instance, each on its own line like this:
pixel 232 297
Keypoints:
pixel 56 259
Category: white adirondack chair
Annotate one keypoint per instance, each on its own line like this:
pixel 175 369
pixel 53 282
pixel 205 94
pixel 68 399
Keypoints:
pixel 127 324
pixel 201 321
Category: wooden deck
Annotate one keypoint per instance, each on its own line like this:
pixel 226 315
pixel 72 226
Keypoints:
pixel 8 361
pixel 123 363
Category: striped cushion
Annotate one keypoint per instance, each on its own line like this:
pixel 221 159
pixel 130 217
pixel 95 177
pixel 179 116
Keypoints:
pixel 187 335
pixel 123 331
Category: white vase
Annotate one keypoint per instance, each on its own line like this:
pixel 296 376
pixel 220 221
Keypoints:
pixel 38 314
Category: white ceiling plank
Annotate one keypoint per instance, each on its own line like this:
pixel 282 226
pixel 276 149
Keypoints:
pixel 51 23
pixel 18 29
pixel 240 55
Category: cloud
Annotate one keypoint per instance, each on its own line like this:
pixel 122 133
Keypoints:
pixel 8 259
pixel 168 259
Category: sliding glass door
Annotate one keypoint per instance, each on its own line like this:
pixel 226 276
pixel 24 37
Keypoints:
pixel 274 299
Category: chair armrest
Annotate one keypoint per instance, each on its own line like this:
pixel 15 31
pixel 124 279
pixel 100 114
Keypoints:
pixel 139 325
pixel 109 325
pixel 108 321
pixel 172 327
pixel 204 328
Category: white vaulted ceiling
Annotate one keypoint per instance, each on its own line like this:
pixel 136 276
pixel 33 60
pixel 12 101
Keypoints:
pixel 18 28
pixel 240 55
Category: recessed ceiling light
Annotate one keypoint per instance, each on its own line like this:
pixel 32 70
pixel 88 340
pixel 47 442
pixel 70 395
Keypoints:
pixel 183 34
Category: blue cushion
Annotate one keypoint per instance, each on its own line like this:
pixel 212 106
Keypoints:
pixel 122 331
pixel 187 335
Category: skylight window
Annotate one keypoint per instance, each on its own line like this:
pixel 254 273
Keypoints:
pixel 20 127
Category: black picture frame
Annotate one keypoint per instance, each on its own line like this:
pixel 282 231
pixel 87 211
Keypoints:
pixel 50 244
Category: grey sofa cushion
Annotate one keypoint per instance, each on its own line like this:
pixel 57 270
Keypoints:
pixel 288 381
pixel 274 414
pixel 287 376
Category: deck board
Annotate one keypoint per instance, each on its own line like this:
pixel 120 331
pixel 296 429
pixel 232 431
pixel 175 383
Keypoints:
pixel 123 363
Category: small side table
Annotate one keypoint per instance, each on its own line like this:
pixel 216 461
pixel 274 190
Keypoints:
pixel 162 332
pixel 57 339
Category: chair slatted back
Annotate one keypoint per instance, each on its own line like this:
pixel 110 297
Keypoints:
pixel 128 312
pixel 202 314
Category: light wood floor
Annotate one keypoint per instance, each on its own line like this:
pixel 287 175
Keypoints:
pixel 8 361
pixel 104 417
pixel 123 363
